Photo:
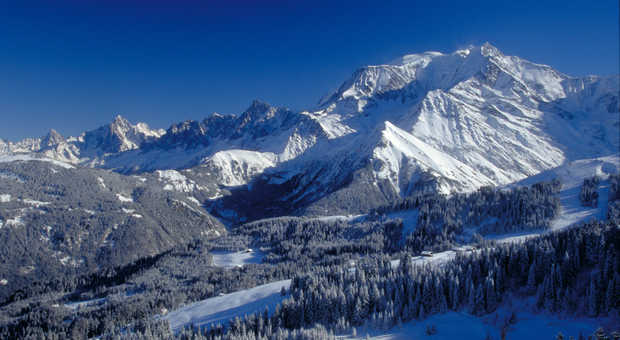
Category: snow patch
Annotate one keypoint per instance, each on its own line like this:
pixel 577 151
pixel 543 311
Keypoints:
pixel 177 181
pixel 34 202
pixel 194 200
pixel 124 199
pixel 236 259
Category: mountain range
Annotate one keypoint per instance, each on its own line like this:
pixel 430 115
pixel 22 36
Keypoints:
pixel 431 121
pixel 126 212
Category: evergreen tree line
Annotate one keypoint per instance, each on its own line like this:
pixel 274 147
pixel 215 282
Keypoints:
pixel 589 192
pixel 574 272
pixel 494 210
pixel 317 248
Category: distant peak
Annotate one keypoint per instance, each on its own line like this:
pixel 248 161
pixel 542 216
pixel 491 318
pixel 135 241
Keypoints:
pixel 52 138
pixel 53 132
pixel 120 120
pixel 258 105
pixel 489 50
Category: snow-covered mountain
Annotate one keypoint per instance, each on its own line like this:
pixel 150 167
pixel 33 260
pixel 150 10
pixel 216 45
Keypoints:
pixel 91 146
pixel 430 121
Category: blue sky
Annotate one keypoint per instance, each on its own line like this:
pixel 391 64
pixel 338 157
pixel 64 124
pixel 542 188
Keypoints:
pixel 73 65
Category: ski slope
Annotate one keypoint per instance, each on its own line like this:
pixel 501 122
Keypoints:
pixel 226 307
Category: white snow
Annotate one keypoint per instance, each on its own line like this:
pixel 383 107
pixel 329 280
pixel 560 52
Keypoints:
pixel 194 200
pixel 35 202
pixel 332 218
pixel 437 259
pixel 458 325
pixel 470 118
pixel 235 259
pixel 101 182
pixel 68 260
pixel 15 221
pixel 5 198
pixel 238 167
pixel 223 308
pixel 27 157
pixel 401 154
pixel 572 175
pixel 124 199
pixel 177 181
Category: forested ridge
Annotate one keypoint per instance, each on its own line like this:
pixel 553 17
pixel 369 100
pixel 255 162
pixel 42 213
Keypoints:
pixel 345 274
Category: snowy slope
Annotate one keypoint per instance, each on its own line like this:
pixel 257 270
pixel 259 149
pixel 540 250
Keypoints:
pixel 238 167
pixel 572 175
pixel 229 259
pixel 502 116
pixel 402 155
pixel 223 308
pixel 455 325
pixel 462 120
pixel 456 121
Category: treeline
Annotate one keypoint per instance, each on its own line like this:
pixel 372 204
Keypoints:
pixel 576 272
pixel 494 210
pixel 319 253
pixel 321 241
pixel 613 207
pixel 132 295
pixel 589 192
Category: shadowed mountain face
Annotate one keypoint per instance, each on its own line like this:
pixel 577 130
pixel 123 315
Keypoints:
pixel 430 121
pixel 60 219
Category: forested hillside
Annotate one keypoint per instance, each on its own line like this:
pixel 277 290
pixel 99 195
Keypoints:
pixel 349 272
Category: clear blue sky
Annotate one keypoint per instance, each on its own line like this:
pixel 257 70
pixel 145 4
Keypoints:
pixel 73 65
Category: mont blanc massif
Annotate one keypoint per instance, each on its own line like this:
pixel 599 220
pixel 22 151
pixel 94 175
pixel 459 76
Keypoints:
pixel 469 195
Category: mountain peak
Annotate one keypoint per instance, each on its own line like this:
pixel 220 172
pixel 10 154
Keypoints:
pixel 120 122
pixel 258 106
pixel 52 138
pixel 489 50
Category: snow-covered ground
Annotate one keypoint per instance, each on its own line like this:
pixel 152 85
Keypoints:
pixel 229 259
pixel 226 307
pixel 438 258
pixel 572 175
pixel 25 157
pixel 457 325
pixel 333 218
pixel 409 218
